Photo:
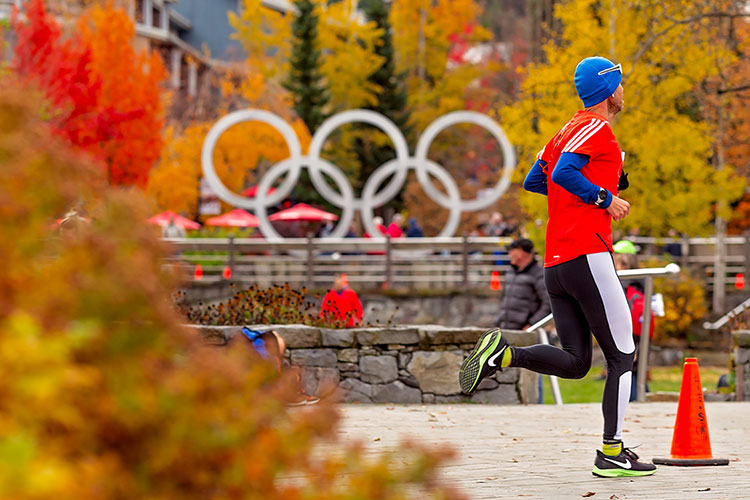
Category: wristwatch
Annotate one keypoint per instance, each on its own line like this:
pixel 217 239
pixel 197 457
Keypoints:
pixel 601 197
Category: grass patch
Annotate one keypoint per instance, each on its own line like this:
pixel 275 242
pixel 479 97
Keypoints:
pixel 663 379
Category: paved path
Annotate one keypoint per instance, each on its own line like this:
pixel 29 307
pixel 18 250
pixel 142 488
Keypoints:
pixel 547 451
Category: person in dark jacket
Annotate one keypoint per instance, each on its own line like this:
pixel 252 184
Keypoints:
pixel 524 300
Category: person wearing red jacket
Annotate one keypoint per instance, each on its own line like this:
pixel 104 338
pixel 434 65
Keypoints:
pixel 341 303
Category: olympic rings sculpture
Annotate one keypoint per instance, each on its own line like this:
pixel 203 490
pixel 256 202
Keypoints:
pixel 370 198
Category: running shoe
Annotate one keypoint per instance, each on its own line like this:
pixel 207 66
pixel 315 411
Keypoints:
pixel 625 464
pixel 304 399
pixel 483 361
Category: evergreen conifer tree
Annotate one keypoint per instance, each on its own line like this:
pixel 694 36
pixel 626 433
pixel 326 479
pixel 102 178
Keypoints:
pixel 305 81
pixel 391 99
pixel 306 84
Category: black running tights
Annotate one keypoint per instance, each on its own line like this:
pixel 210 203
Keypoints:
pixel 586 297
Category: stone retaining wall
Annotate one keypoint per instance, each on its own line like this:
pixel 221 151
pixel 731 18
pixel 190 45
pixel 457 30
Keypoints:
pixel 404 364
pixel 741 342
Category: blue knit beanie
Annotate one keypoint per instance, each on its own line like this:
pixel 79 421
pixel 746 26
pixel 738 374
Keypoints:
pixel 593 82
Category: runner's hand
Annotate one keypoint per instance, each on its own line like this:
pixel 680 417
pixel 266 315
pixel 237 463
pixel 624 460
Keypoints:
pixel 619 208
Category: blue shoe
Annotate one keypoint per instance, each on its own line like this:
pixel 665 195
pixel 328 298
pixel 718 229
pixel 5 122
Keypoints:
pixel 483 361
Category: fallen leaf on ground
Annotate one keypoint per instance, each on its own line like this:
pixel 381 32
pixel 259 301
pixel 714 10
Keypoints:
pixel 589 494
pixel 376 439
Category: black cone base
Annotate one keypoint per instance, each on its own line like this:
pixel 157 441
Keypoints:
pixel 686 462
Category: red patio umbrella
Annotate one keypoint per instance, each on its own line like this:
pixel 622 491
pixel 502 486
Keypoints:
pixel 235 218
pixel 303 212
pixel 163 218
pixel 253 190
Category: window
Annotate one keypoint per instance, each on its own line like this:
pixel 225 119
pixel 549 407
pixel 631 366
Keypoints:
pixel 140 11
pixel 156 17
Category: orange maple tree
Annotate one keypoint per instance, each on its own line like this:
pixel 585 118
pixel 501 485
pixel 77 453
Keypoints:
pixel 102 96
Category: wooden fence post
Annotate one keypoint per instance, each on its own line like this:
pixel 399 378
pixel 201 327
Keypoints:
pixel 231 255
pixel 685 251
pixel 465 262
pixel 310 261
pixel 720 269
pixel 388 265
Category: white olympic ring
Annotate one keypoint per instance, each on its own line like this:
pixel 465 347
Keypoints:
pixel 397 169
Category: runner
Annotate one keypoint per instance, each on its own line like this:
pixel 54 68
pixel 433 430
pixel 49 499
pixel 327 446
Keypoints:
pixel 580 172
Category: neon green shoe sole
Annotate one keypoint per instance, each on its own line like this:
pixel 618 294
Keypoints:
pixel 483 361
pixel 621 472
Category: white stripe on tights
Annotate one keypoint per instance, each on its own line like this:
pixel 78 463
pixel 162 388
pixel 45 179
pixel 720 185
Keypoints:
pixel 613 297
pixel 623 397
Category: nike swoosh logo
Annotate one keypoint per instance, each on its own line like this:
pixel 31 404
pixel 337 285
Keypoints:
pixel 492 360
pixel 625 465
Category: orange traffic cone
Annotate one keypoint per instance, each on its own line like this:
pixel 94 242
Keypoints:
pixel 739 281
pixel 690 442
pixel 198 274
pixel 495 280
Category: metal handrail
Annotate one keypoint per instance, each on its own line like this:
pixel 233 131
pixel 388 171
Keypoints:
pixel 627 273
pixel 728 316
pixel 649 274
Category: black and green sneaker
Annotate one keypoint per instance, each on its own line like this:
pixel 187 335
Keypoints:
pixel 625 464
pixel 483 361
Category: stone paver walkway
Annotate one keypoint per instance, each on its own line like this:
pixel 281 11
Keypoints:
pixel 547 451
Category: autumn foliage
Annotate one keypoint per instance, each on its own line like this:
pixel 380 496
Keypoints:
pixel 104 395
pixel 102 96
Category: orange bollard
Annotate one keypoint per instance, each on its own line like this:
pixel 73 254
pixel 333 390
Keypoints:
pixel 198 274
pixel 690 442
pixel 495 280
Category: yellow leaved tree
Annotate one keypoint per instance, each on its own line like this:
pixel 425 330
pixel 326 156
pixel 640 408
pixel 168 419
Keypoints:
pixel 246 150
pixel 348 44
pixel 431 40
pixel 346 41
pixel 242 154
pixel 104 394
pixel 423 34
pixel 668 49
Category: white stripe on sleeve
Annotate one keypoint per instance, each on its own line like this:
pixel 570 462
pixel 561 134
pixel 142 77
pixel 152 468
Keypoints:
pixel 570 147
pixel 581 132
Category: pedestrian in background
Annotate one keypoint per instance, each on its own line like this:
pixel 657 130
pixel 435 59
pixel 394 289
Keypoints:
pixel 524 299
pixel 341 303
pixel 626 257
pixel 413 230
pixel 395 229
